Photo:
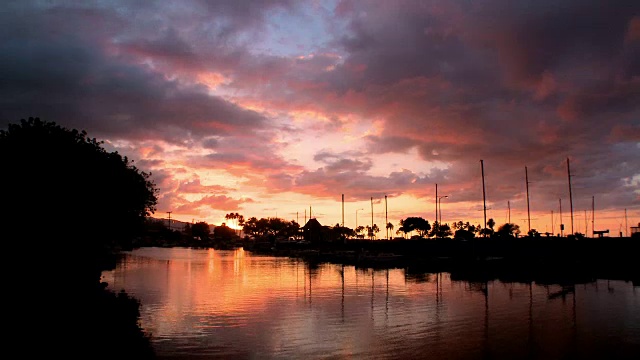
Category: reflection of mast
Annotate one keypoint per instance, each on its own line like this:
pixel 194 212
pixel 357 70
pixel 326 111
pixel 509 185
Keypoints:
pixel 575 321
pixel 437 288
pixel 530 315
pixel 342 307
pixel 297 270
pixel 373 272
pixel 486 318
pixel 309 286
pixel 386 303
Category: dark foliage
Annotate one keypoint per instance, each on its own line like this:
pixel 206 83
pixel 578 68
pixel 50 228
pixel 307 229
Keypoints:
pixel 223 232
pixel 418 224
pixel 201 229
pixel 68 206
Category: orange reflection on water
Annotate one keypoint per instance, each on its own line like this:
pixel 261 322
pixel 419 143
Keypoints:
pixel 235 303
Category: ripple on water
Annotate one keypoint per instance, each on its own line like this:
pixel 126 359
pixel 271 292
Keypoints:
pixel 226 304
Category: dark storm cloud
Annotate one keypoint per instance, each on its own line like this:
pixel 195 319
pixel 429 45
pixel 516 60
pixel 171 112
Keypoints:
pixel 536 36
pixel 387 144
pixel 517 83
pixel 59 63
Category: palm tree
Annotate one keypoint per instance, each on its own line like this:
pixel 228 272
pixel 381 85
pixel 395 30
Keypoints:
pixel 240 223
pixel 232 216
pixel 389 228
pixel 375 229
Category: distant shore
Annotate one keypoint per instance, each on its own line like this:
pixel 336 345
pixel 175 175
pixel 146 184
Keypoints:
pixel 523 259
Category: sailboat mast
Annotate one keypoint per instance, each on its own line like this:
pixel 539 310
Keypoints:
pixel 386 215
pixel 593 215
pixel 342 210
pixel 526 176
pixel 561 224
pixel 570 195
pixel 484 197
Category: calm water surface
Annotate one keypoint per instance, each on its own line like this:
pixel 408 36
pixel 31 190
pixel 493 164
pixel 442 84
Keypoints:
pixel 232 304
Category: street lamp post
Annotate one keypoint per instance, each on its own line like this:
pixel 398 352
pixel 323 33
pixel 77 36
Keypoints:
pixel 440 208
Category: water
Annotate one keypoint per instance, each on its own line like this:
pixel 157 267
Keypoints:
pixel 232 304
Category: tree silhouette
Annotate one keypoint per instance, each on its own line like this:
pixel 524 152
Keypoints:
pixel 418 224
pixel 223 233
pixel 340 233
pixel 508 229
pixel 491 223
pixel 201 229
pixel 372 230
pixel 88 201
pixel 389 227
pixel 271 228
pixel 440 230
pixel 71 204
pixel 535 233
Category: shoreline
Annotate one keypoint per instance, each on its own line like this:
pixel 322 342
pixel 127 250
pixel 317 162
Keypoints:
pixel 544 260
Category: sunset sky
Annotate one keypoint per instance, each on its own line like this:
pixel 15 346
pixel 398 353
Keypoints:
pixel 270 108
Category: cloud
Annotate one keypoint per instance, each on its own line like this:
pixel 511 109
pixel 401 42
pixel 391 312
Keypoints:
pixel 240 88
pixel 217 202
pixel 196 187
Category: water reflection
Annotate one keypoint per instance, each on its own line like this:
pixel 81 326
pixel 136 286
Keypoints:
pixel 221 304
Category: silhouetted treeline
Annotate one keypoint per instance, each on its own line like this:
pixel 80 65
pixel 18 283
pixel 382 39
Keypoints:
pixel 68 205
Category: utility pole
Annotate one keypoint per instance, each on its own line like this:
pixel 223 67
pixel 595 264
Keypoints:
pixel 305 216
pixel 561 224
pixel 169 212
pixel 552 227
pixel 526 175
pixel 570 195
pixel 436 203
pixel 593 215
pixel 586 222
pixel 386 216
pixel 342 210
pixel 484 198
pixel 372 218
pixel 626 225
pixel 440 208
pixel 509 211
